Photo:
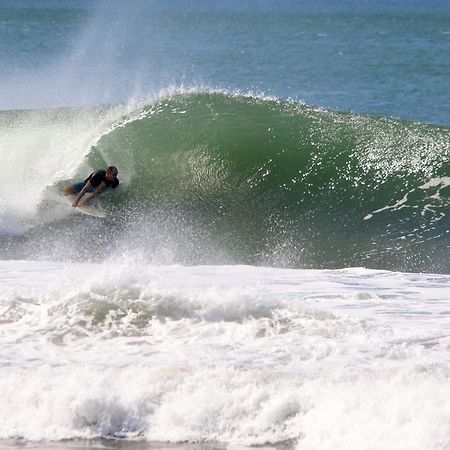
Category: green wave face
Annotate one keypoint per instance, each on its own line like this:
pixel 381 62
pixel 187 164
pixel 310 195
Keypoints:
pixel 283 183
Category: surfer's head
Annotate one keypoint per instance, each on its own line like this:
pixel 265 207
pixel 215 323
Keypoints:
pixel 111 173
pixel 111 176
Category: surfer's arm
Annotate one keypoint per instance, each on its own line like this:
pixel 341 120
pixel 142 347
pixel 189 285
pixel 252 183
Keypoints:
pixel 98 191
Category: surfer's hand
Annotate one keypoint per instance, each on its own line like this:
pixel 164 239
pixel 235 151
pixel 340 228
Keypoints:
pixel 89 198
pixel 75 203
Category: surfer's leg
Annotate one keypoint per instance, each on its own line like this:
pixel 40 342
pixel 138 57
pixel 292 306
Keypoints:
pixel 74 188
pixel 69 190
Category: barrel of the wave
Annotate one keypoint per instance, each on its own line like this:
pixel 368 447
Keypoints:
pixel 275 182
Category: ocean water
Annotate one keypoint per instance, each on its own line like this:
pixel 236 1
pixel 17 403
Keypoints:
pixel 273 269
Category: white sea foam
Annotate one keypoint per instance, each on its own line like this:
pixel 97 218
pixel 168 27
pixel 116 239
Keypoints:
pixel 331 359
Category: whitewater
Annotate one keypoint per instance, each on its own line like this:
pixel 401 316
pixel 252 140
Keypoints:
pixel 351 358
pixel 273 269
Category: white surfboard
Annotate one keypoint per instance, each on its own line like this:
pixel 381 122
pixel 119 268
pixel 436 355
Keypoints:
pixel 90 210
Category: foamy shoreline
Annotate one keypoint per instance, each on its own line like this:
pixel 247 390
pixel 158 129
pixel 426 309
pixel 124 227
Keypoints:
pixel 114 444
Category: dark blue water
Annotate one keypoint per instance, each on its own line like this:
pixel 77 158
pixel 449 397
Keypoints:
pixel 383 58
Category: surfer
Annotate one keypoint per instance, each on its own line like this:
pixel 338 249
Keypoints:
pixel 94 185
